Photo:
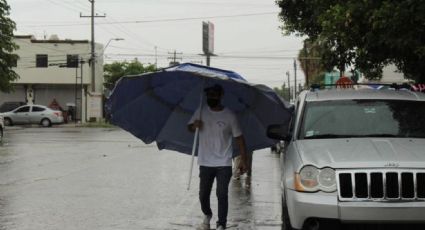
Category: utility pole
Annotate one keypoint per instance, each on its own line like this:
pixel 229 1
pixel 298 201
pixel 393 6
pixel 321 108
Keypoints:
pixel 93 54
pixel 156 58
pixel 174 58
pixel 289 86
pixel 83 94
pixel 295 78
pixel 306 63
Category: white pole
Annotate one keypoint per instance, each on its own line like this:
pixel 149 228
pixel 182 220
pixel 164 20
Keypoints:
pixel 195 141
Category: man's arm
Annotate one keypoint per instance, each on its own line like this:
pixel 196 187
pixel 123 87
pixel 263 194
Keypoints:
pixel 240 140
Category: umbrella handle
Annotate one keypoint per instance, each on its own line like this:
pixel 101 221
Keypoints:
pixel 193 157
pixel 195 141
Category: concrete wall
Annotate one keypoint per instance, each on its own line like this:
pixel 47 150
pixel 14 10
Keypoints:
pixel 57 52
pixel 42 85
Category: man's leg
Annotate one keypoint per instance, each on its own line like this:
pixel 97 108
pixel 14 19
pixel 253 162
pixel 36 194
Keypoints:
pixel 206 175
pixel 249 169
pixel 224 175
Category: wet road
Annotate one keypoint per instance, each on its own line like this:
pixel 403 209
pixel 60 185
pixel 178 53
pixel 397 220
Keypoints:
pixel 92 178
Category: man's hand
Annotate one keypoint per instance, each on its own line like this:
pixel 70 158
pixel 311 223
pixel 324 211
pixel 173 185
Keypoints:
pixel 195 124
pixel 243 165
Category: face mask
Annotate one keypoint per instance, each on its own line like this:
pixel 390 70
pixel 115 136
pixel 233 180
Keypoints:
pixel 213 102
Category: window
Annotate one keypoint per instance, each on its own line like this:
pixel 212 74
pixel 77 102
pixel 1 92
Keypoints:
pixel 363 118
pixel 72 60
pixel 24 109
pixel 41 61
pixel 38 109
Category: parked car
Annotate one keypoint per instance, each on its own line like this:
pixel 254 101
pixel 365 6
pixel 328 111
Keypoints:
pixel 33 114
pixel 10 105
pixel 353 155
pixel 1 128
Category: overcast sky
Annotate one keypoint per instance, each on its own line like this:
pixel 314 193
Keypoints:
pixel 247 35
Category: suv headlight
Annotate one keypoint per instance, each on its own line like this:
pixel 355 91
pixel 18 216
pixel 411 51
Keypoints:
pixel 312 179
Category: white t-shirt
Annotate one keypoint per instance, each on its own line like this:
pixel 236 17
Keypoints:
pixel 216 136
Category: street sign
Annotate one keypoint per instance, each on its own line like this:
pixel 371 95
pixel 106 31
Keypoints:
pixel 208 38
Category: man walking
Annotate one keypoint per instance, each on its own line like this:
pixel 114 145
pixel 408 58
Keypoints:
pixel 217 128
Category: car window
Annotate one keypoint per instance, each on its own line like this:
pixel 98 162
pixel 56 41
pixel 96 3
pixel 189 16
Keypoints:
pixel 24 109
pixel 363 118
pixel 38 109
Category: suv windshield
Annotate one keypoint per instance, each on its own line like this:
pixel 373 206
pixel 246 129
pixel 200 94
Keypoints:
pixel 363 118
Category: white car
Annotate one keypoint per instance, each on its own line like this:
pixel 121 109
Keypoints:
pixel 33 114
pixel 1 128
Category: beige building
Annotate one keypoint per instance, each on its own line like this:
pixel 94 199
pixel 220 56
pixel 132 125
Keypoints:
pixel 58 69
pixel 390 74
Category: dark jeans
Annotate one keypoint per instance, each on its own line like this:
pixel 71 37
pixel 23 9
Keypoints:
pixel 207 175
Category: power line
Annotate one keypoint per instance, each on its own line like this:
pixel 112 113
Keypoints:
pixel 64 5
pixel 133 49
pixel 132 34
pixel 155 20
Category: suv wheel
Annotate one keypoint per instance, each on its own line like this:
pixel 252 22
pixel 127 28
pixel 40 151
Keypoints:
pixel 8 121
pixel 45 122
pixel 286 222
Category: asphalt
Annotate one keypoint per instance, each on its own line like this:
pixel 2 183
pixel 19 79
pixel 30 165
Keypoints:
pixel 68 177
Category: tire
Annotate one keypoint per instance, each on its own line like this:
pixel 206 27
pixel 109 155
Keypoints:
pixel 286 222
pixel 8 121
pixel 1 135
pixel 45 122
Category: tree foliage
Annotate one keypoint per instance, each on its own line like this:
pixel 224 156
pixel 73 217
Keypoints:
pixel 310 62
pixel 367 34
pixel 114 71
pixel 7 46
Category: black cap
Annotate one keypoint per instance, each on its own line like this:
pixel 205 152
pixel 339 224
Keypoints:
pixel 215 88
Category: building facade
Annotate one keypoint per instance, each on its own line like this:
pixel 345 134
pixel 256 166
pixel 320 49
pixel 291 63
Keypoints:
pixel 56 69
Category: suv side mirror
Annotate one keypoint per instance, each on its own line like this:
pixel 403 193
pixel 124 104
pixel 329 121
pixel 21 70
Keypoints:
pixel 279 132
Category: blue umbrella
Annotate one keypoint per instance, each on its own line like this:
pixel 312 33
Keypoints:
pixel 157 106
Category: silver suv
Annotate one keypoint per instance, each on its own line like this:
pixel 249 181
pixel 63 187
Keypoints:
pixel 353 155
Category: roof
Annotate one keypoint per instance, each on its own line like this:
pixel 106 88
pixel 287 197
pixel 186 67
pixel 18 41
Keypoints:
pixel 33 40
pixel 364 93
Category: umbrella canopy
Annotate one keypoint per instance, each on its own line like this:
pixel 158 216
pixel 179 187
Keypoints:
pixel 157 106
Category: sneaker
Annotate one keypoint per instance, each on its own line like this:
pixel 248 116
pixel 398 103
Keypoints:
pixel 220 227
pixel 205 223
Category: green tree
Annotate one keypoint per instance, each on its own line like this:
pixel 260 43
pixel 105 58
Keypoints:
pixel 7 46
pixel 367 34
pixel 114 71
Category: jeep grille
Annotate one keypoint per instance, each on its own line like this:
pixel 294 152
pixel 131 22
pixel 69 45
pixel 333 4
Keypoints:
pixel 381 185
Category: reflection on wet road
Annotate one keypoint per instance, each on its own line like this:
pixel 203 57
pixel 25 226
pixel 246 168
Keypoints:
pixel 87 178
